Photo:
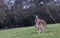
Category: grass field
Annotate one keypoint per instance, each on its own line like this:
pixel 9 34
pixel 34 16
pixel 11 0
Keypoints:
pixel 53 31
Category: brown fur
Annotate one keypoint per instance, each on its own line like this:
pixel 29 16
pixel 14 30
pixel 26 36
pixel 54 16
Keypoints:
pixel 40 24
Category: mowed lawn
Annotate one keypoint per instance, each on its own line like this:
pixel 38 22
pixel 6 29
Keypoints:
pixel 53 31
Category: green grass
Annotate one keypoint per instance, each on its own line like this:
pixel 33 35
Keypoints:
pixel 53 31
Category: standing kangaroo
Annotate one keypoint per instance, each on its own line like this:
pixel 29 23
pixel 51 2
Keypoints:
pixel 40 24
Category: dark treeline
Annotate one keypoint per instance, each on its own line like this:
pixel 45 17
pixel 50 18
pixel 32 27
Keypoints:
pixel 23 12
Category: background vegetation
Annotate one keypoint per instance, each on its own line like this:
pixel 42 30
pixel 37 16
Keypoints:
pixel 23 14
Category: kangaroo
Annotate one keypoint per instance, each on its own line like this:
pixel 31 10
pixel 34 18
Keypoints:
pixel 40 24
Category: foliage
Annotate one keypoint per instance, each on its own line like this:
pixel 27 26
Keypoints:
pixel 18 17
